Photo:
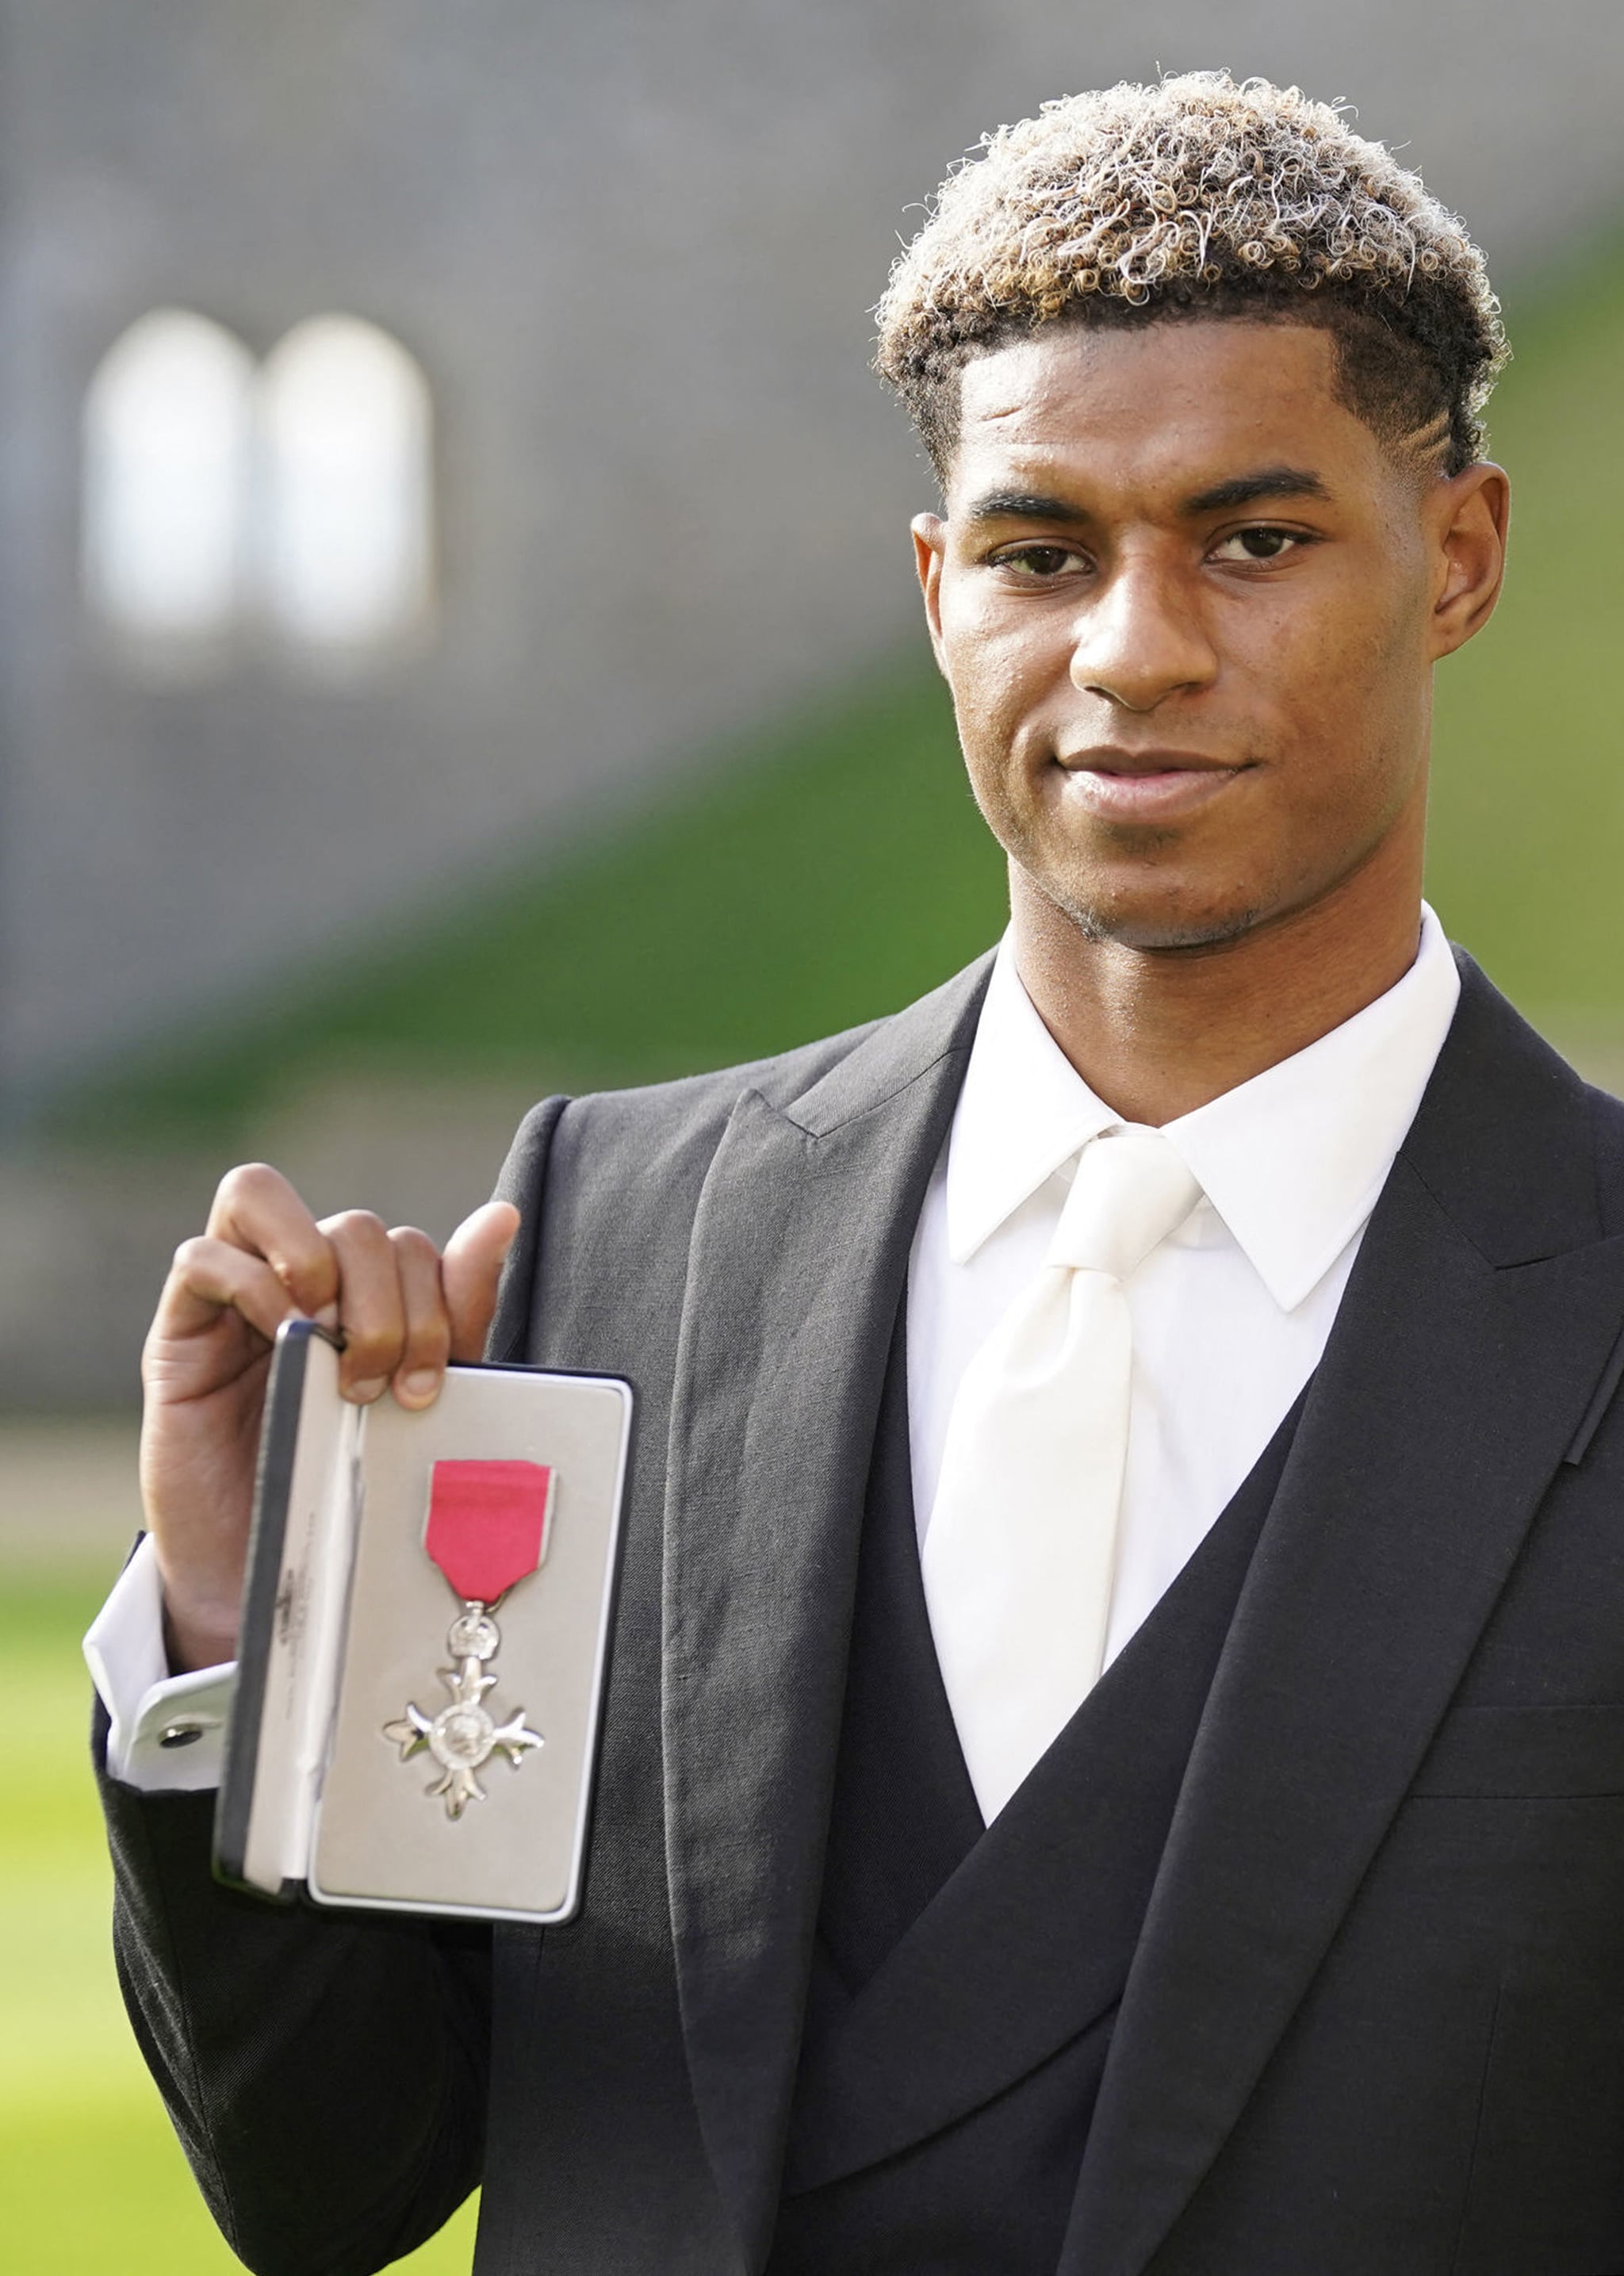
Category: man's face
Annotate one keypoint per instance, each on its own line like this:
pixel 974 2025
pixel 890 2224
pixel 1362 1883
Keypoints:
pixel 1187 606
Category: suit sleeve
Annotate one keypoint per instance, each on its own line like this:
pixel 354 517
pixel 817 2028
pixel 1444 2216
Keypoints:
pixel 327 2073
pixel 523 1178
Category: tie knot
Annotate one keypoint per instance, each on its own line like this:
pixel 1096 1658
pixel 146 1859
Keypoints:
pixel 1132 1189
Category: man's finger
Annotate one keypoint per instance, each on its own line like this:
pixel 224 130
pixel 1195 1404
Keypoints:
pixel 256 1209
pixel 469 1272
pixel 210 1277
pixel 370 1310
pixel 417 1378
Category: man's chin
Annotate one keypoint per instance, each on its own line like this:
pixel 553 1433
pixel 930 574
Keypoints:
pixel 1150 922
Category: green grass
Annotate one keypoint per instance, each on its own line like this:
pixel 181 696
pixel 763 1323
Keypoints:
pixel 1528 837
pixel 821 875
pixel 91 2178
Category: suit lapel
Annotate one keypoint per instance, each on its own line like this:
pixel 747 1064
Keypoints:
pixel 796 1269
pixel 1029 1940
pixel 1480 1314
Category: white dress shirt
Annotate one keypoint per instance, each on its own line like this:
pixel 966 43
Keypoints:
pixel 1230 1316
pixel 166 1733
pixel 1231 1313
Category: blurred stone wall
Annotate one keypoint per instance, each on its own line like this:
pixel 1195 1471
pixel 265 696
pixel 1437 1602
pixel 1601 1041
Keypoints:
pixel 632 243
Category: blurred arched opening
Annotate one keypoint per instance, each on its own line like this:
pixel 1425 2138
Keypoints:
pixel 345 449
pixel 167 443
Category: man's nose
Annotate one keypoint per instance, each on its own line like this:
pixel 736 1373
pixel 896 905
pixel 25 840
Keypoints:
pixel 1139 641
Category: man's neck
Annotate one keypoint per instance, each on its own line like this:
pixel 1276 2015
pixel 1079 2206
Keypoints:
pixel 1157 1033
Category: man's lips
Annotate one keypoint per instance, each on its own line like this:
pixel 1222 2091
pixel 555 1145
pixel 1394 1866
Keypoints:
pixel 1123 786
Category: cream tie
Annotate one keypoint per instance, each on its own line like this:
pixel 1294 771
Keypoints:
pixel 1021 1549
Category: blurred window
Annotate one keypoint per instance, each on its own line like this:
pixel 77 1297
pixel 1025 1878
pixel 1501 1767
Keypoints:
pixel 167 443
pixel 346 540
pixel 225 499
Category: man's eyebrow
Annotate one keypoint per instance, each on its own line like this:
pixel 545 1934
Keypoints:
pixel 1220 497
pixel 1023 505
pixel 1247 490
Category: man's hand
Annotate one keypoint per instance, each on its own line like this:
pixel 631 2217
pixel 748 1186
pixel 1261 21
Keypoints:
pixel 405 1311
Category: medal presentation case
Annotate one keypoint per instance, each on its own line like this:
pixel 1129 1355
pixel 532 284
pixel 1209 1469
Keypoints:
pixel 425 1633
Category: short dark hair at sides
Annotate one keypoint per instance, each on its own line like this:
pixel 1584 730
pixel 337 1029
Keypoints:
pixel 1199 197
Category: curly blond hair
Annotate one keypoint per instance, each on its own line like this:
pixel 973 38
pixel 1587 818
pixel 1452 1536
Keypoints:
pixel 1199 196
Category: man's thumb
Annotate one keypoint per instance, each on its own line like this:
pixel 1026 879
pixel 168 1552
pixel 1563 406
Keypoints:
pixel 469 1272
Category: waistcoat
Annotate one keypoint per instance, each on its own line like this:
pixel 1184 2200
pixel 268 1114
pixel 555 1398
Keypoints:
pixel 967 1977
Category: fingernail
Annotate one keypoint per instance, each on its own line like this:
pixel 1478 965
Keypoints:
pixel 422 1382
pixel 373 1387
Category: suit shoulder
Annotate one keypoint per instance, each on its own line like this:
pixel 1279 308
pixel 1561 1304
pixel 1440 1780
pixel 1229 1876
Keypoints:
pixel 652 1128
pixel 1607 1111
pixel 662 1115
pixel 1607 1122
pixel 663 1135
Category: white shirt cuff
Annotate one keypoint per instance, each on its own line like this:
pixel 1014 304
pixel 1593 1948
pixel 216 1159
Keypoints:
pixel 168 1734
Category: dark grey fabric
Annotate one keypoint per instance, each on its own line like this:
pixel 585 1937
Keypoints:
pixel 971 1975
pixel 904 1816
pixel 326 2076
pixel 1373 2022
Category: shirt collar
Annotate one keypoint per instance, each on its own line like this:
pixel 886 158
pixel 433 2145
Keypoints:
pixel 1292 1161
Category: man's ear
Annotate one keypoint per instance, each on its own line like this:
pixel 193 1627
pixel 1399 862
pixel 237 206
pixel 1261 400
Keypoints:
pixel 1473 510
pixel 930 551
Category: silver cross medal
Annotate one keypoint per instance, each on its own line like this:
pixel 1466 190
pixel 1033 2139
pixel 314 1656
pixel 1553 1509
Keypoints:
pixel 487 1529
pixel 464 1735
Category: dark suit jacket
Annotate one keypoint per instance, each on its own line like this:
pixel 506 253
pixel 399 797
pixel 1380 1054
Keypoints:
pixel 1375 2024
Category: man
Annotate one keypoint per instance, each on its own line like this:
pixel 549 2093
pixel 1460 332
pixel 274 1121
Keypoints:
pixel 1114 1758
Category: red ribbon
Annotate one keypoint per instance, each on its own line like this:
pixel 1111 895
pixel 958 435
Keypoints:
pixel 488 1524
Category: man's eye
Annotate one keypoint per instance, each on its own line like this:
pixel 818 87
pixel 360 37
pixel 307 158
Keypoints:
pixel 1261 543
pixel 1039 560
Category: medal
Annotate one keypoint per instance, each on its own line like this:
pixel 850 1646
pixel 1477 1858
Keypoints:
pixel 486 1530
